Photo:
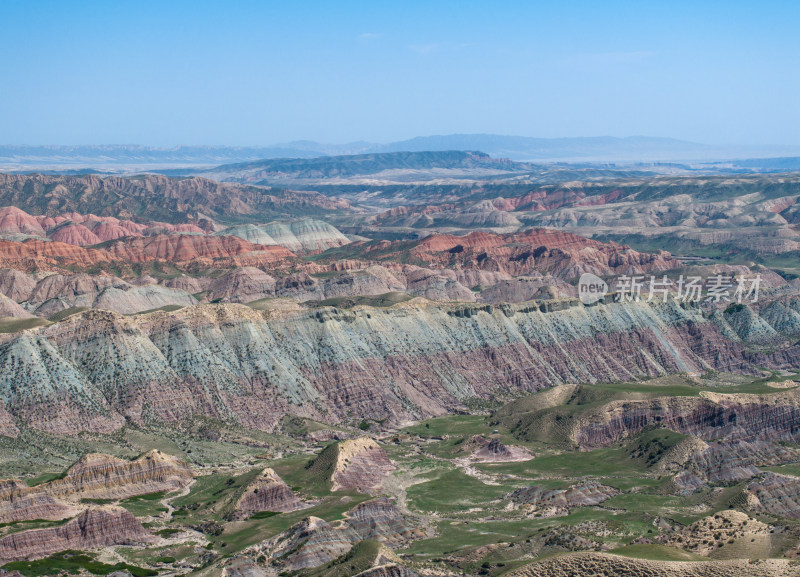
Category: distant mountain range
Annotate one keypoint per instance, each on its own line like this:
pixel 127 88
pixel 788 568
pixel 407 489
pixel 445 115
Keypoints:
pixel 518 148
pixel 402 165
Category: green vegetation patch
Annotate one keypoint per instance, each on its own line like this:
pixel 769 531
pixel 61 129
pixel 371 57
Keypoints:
pixel 16 325
pixel 145 505
pixel 377 301
pixel 61 315
pixel 73 562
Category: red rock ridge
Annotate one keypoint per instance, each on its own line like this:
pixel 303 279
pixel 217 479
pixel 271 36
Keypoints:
pixel 33 255
pixel 562 254
pixel 16 221
pixel 76 234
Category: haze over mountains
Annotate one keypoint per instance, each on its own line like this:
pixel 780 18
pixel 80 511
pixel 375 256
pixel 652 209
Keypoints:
pixel 520 148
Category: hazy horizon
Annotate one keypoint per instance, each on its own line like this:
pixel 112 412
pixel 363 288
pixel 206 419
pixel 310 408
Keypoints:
pixel 254 74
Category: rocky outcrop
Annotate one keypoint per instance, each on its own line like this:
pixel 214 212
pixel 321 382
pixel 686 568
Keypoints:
pixel 732 461
pixel 188 284
pixel 76 289
pixel 188 247
pixel 309 543
pixel 57 292
pixel 107 230
pixel 374 280
pixel 267 492
pixel 380 519
pixel 241 285
pixel 95 528
pixel 359 464
pixel 749 326
pixel 435 286
pixel 313 542
pixel 723 529
pixel 775 494
pixel 16 285
pixel 183 250
pixel 251 233
pixel 40 389
pixel 560 254
pixel 494 451
pixel 783 315
pixel 521 289
pixel 132 300
pixel 45 255
pixel 549 502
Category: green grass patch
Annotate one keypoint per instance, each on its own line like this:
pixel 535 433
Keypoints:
pixel 16 325
pixel 453 491
pixel 264 514
pixel 73 562
pixel 165 308
pixel 376 301
pixel 145 505
pixel 44 478
pixel 61 315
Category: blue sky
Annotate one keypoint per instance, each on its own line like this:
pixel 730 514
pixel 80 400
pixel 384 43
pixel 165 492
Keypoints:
pixel 251 73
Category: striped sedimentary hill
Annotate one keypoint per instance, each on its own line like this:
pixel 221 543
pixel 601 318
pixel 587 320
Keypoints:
pixel 94 476
pixel 359 464
pixel 95 528
pixel 95 370
pixel 267 492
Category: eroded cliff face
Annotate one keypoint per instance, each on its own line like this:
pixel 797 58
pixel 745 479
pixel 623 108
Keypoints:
pixel 96 369
pixel 734 418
